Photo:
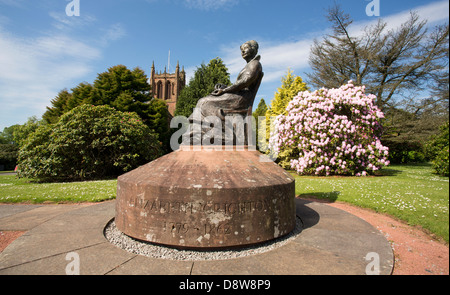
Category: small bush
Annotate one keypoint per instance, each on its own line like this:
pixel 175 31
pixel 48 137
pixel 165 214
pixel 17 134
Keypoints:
pixel 441 162
pixel 437 149
pixel 8 156
pixel 405 152
pixel 89 142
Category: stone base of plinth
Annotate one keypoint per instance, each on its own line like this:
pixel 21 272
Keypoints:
pixel 206 199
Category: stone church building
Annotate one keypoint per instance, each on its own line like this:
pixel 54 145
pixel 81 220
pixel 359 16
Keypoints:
pixel 168 86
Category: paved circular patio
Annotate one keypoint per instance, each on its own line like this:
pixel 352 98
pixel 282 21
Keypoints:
pixel 332 242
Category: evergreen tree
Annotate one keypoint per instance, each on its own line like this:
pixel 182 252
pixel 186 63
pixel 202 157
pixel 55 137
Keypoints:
pixel 201 85
pixel 260 111
pixel 119 87
pixel 290 87
pixel 123 89
pixel 58 108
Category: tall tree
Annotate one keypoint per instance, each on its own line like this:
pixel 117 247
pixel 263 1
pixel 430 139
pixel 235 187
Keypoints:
pixel 119 87
pixel 201 85
pixel 119 80
pixel 391 63
pixel 260 110
pixel 58 108
pixel 7 135
pixel 125 90
pixel 21 132
pixel 291 85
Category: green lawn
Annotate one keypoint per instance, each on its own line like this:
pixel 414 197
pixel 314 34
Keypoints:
pixel 409 192
pixel 13 190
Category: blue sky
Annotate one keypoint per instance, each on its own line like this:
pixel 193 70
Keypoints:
pixel 43 50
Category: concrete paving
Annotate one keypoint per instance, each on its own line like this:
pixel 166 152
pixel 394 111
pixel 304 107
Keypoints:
pixel 332 242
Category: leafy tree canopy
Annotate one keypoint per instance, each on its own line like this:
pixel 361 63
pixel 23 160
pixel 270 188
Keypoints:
pixel 201 85
pixel 291 85
pixel 123 89
pixel 88 142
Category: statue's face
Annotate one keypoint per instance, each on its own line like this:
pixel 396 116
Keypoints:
pixel 247 51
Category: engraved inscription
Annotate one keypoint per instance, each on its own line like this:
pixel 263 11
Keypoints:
pixel 170 207
pixel 184 228
pixel 176 227
pixel 221 229
pixel 212 217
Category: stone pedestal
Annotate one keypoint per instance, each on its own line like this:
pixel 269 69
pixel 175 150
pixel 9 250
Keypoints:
pixel 206 199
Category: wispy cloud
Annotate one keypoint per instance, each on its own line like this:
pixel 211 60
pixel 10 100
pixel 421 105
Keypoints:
pixel 433 13
pixel 62 22
pixel 14 3
pixel 85 21
pixel 35 69
pixel 113 33
pixel 278 57
pixel 210 4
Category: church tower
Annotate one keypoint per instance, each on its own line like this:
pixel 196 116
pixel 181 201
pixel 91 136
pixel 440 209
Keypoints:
pixel 168 86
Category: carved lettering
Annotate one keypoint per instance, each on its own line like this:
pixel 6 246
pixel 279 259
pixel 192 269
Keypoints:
pixel 175 207
pixel 176 227
pixel 221 229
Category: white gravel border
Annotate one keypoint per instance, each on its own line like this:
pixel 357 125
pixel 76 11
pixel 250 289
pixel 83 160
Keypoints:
pixel 122 241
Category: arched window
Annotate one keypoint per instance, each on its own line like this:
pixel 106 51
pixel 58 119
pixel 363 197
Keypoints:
pixel 159 90
pixel 168 90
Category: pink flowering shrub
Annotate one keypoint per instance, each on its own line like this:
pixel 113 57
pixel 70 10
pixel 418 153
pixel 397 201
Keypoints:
pixel 331 132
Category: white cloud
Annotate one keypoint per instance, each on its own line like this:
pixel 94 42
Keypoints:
pixel 210 4
pixel 433 13
pixel 35 69
pixel 15 3
pixel 113 33
pixel 64 23
pixel 277 57
pixel 49 60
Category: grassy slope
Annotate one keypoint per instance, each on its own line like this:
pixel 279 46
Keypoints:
pixel 409 192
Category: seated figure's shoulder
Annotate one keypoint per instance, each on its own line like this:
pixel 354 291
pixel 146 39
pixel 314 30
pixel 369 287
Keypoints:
pixel 255 65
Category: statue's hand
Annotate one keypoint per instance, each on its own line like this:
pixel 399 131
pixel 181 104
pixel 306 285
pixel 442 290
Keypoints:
pixel 220 86
pixel 217 92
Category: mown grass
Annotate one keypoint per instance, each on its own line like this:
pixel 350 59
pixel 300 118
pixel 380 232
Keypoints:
pixel 14 190
pixel 409 192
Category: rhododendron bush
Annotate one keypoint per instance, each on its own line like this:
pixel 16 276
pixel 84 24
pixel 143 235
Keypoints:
pixel 331 132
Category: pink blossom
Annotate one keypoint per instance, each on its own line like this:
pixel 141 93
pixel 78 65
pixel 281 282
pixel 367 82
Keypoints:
pixel 314 125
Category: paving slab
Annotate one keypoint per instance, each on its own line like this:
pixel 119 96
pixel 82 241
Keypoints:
pixel 10 209
pixel 26 217
pixel 332 242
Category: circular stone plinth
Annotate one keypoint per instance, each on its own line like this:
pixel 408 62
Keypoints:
pixel 206 199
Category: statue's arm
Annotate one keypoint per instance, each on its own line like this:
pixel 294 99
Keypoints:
pixel 245 80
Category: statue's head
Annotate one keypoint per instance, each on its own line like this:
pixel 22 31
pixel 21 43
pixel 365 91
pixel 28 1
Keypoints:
pixel 249 49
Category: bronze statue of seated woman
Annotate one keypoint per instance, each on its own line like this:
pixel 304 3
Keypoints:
pixel 224 101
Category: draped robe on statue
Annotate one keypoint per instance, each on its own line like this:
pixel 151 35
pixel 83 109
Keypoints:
pixel 238 98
